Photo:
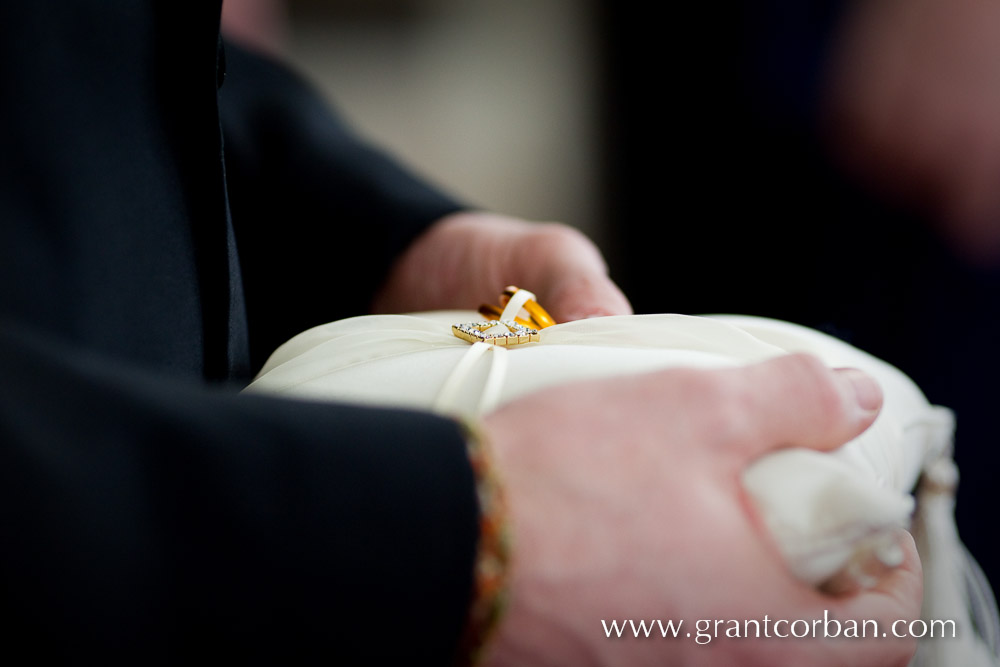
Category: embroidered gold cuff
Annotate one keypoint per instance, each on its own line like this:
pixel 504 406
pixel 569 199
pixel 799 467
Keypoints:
pixel 490 586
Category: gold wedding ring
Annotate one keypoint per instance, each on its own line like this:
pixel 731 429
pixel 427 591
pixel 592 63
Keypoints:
pixel 491 312
pixel 539 317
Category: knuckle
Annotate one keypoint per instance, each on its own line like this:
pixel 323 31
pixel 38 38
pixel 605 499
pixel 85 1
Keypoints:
pixel 726 405
pixel 807 366
pixel 815 381
pixel 705 387
pixel 560 236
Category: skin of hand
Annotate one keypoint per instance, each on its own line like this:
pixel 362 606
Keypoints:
pixel 914 107
pixel 626 502
pixel 466 259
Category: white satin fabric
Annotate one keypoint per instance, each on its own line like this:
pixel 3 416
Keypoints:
pixel 833 515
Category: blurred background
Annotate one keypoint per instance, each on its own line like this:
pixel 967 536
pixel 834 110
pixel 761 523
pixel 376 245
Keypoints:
pixel 497 102
pixel 826 162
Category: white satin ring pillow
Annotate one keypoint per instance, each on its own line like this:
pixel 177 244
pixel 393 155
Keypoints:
pixel 829 513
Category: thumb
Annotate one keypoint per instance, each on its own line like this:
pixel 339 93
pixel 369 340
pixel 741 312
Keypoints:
pixel 796 400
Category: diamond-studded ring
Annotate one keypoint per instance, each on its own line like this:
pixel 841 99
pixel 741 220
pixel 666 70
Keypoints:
pixel 476 332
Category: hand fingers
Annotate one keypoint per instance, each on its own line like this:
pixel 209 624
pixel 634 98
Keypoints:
pixel 590 295
pixel 795 400
pixel 568 274
pixel 865 629
pixel 897 595
pixel 892 604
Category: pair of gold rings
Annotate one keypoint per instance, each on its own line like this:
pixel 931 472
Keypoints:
pixel 537 318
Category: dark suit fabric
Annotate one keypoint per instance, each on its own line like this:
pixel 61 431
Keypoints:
pixel 758 216
pixel 150 513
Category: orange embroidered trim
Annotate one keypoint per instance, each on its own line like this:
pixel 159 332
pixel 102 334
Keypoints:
pixel 490 591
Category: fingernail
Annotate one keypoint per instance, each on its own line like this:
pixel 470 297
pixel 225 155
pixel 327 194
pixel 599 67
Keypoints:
pixel 867 392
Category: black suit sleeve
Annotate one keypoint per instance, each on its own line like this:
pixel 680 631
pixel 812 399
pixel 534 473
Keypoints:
pixel 148 520
pixel 319 214
pixel 145 516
